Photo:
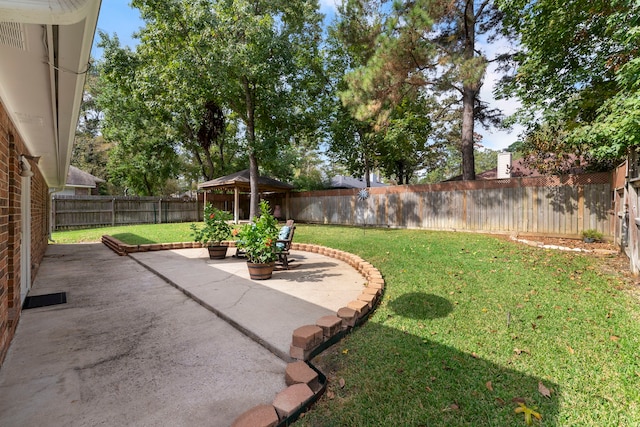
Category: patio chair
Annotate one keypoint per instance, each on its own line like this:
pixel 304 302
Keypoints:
pixel 284 243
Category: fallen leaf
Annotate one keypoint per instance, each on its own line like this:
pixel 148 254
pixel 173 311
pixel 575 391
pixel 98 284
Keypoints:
pixel 454 407
pixel 341 382
pixel 501 401
pixel 474 355
pixel 518 400
pixel 428 389
pixel 330 394
pixel 544 390
pixel 528 413
pixel 489 386
pixel 614 338
pixel 571 350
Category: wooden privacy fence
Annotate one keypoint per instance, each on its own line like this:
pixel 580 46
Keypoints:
pixel 553 206
pixel 95 211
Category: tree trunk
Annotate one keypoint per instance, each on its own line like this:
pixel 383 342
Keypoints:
pixel 470 89
pixel 468 161
pixel 251 141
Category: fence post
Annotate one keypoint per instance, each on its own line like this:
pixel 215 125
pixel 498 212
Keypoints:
pixel 113 212
pixel 53 213
pixel 159 211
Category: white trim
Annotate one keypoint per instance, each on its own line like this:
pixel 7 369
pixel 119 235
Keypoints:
pixel 52 12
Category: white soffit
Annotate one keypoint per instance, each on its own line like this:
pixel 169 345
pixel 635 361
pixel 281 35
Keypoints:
pixel 52 12
pixel 44 54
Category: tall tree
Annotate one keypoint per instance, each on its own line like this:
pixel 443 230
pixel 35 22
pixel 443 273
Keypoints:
pixel 255 59
pixel 90 150
pixel 577 70
pixel 143 157
pixel 351 44
pixel 398 144
pixel 430 44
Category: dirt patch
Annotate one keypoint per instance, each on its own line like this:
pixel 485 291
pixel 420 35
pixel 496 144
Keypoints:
pixel 611 259
pixel 573 244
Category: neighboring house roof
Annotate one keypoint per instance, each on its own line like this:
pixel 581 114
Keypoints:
pixel 240 180
pixel 79 178
pixel 341 181
pixel 520 170
pixel 45 47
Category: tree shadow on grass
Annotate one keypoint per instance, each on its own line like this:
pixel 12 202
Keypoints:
pixel 132 239
pixel 394 376
pixel 418 305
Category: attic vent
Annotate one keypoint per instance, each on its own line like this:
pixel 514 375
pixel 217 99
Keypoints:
pixel 11 35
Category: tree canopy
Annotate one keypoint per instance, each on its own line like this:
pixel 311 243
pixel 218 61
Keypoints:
pixel 577 70
pixel 216 72
pixel 429 45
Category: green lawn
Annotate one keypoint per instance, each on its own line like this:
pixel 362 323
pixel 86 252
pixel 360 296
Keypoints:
pixel 132 234
pixel 472 325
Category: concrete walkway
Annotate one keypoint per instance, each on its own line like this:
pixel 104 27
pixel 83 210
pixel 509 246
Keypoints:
pixel 129 349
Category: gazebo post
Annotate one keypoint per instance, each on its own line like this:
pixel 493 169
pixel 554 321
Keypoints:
pixel 236 205
pixel 287 213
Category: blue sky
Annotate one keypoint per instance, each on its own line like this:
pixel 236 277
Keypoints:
pixel 117 17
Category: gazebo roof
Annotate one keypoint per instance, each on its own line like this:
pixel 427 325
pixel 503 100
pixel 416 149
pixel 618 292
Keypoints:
pixel 240 180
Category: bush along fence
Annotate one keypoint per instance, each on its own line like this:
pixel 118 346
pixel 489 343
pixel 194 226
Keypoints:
pixel 70 212
pixel 551 205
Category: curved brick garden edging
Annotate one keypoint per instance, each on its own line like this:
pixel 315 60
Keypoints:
pixel 305 383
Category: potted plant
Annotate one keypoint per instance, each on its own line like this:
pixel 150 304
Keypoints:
pixel 216 228
pixel 258 241
pixel 591 235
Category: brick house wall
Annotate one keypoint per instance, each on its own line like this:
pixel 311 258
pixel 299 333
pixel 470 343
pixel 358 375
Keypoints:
pixel 11 146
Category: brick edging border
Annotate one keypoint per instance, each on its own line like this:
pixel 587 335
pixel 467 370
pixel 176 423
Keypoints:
pixel 305 383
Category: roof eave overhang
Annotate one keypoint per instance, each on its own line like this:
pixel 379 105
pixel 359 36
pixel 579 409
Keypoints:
pixel 42 75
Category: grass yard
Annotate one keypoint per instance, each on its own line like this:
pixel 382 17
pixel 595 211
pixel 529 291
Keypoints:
pixel 472 326
pixel 132 234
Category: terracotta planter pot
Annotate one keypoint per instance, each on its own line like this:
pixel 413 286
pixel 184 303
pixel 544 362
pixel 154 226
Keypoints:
pixel 260 271
pixel 217 252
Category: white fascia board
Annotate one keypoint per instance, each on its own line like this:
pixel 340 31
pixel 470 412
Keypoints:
pixel 48 12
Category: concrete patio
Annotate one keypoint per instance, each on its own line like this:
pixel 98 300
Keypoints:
pixel 160 338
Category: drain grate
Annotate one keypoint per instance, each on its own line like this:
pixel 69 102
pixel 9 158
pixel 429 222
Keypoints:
pixel 44 300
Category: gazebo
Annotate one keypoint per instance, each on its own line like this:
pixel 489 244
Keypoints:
pixel 239 183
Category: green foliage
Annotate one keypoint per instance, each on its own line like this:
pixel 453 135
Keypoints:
pixel 428 47
pixel 592 234
pixel 368 131
pixel 90 151
pixel 577 67
pixel 216 227
pixel 143 157
pixel 232 82
pixel 258 239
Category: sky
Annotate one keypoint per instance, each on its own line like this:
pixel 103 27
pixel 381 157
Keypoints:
pixel 117 17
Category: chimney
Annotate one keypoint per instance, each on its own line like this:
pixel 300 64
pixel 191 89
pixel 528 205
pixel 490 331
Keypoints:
pixel 504 165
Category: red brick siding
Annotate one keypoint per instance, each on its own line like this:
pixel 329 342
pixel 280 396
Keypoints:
pixel 11 146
